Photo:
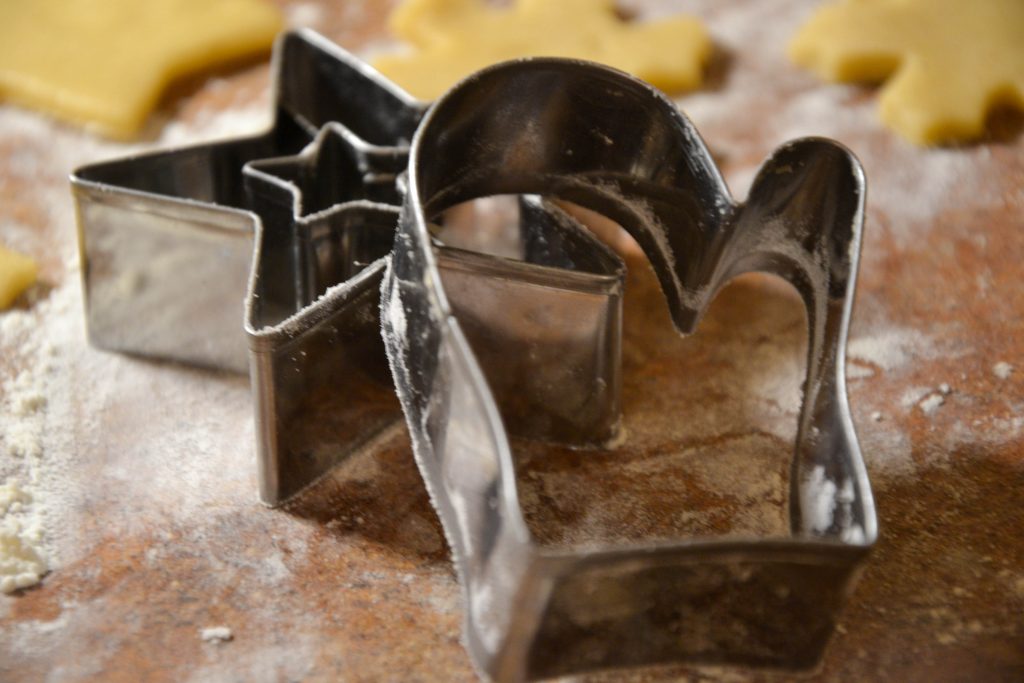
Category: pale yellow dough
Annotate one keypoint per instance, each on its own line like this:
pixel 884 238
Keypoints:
pixel 950 61
pixel 451 39
pixel 17 273
pixel 105 63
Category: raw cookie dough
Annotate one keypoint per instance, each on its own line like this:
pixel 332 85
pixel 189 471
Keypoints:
pixel 105 63
pixel 453 38
pixel 950 61
pixel 17 272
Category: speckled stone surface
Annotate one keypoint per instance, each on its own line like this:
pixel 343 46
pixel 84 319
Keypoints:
pixel 149 478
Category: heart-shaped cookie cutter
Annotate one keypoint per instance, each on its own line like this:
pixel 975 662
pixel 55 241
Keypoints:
pixel 606 141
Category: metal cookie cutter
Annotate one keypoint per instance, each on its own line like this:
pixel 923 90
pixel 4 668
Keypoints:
pixel 167 242
pixel 611 143
pixel 156 229
pixel 479 344
pixel 320 376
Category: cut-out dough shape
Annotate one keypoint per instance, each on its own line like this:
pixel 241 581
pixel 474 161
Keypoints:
pixel 17 272
pixel 453 38
pixel 950 61
pixel 105 63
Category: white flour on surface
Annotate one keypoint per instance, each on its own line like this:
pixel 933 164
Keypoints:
pixel 931 403
pixel 301 14
pixel 216 634
pixel 892 348
pixel 23 557
pixel 54 401
pixel 80 427
pixel 762 101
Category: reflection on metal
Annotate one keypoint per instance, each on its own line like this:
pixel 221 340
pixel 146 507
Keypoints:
pixel 606 141
pixel 166 238
pixel 481 345
pixel 167 242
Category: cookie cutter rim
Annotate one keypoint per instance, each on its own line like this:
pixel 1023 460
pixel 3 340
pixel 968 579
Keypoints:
pixel 501 629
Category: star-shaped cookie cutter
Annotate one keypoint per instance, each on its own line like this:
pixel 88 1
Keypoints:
pixel 313 228
pixel 157 228
pixel 452 319
pixel 167 242
pixel 327 225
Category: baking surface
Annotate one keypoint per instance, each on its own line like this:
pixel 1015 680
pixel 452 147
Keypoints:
pixel 147 475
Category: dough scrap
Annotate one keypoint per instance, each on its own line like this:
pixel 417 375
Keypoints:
pixel 453 38
pixel 948 62
pixel 105 63
pixel 17 273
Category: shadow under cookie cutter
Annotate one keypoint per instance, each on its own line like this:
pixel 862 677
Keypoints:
pixel 611 143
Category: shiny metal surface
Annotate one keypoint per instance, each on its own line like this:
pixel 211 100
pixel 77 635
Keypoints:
pixel 167 247
pixel 320 379
pixel 168 239
pixel 608 142
pixel 154 229
pixel 483 345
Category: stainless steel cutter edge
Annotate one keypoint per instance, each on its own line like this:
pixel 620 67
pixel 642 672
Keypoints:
pixel 518 657
pixel 312 314
pixel 532 126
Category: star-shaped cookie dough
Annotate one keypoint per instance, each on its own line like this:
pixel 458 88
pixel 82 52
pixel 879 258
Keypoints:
pixel 105 63
pixel 453 38
pixel 948 62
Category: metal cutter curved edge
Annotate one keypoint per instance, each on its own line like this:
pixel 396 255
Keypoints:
pixel 311 207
